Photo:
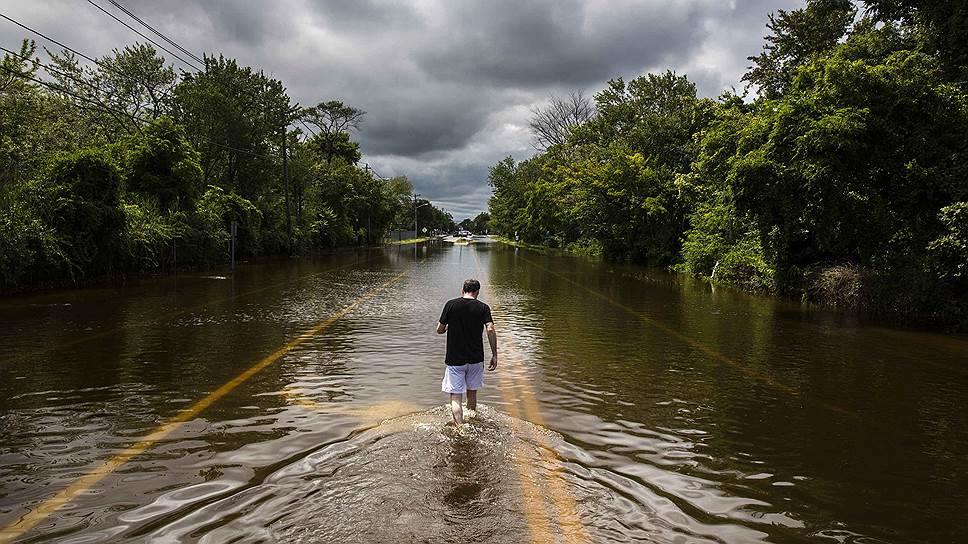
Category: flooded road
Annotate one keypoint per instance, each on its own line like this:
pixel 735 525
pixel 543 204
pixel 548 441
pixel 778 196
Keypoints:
pixel 300 402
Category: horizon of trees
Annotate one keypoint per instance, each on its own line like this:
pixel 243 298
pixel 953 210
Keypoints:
pixel 124 166
pixel 843 181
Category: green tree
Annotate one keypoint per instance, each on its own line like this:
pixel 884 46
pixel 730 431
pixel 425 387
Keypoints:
pixel 121 91
pixel 655 115
pixel 854 163
pixel 34 125
pixel 334 120
pixel 79 199
pixel 722 243
pixel 337 147
pixel 163 165
pixel 217 209
pixel 235 117
pixel 939 28
pixel 629 204
pixel 796 38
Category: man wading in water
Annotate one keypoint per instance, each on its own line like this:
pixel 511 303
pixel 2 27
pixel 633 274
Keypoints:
pixel 464 319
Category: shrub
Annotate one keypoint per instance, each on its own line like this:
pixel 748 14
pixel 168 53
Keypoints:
pixel 840 285
pixel 743 265
pixel 217 209
pixel 164 165
pixel 950 251
pixel 29 249
pixel 78 199
pixel 585 246
pixel 148 235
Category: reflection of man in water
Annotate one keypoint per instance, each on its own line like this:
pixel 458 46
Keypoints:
pixel 464 320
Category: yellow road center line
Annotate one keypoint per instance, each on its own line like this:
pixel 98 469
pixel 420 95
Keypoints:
pixel 164 316
pixel 566 508
pixel 532 502
pixel 51 505
pixel 564 502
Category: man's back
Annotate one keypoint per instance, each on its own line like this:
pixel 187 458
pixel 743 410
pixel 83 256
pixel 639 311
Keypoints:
pixel 465 318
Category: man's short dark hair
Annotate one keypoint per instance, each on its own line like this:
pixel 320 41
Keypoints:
pixel 472 286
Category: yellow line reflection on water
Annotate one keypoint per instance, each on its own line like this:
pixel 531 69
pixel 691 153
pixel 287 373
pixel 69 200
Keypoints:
pixel 695 344
pixel 51 505
pixel 569 524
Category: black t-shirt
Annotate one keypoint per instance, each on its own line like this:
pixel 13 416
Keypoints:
pixel 465 319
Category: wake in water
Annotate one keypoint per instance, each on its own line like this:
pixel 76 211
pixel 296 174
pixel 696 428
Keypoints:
pixel 419 478
pixel 408 479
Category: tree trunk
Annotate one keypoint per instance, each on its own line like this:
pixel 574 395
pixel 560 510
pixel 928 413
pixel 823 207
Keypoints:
pixel 285 175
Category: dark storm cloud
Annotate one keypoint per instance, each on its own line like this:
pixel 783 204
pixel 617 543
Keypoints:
pixel 442 129
pixel 541 43
pixel 447 85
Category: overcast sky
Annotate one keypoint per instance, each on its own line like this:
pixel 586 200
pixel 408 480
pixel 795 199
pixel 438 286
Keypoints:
pixel 447 85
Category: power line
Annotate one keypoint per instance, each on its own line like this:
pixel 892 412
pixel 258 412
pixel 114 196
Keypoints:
pixel 90 85
pixel 377 174
pixel 101 64
pixel 52 40
pixel 108 109
pixel 163 48
pixel 59 89
pixel 122 74
pixel 157 33
pixel 56 71
pixel 311 131
pixel 172 42
pixel 105 66
pixel 161 35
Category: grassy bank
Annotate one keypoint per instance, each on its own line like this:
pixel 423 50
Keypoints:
pixel 410 241
pixel 586 249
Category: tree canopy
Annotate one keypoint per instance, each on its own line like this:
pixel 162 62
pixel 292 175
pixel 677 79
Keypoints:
pixel 123 166
pixel 843 180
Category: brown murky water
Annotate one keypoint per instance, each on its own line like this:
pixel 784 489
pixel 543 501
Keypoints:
pixel 630 406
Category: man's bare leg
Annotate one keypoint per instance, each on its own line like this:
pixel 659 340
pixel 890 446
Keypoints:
pixel 455 408
pixel 472 399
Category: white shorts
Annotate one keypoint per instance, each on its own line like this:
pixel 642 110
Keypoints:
pixel 458 379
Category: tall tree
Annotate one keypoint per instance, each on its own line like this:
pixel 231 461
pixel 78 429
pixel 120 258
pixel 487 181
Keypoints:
pixel 655 114
pixel 235 117
pixel 139 80
pixel 796 37
pixel 553 123
pixel 163 165
pixel 333 119
pixel 940 28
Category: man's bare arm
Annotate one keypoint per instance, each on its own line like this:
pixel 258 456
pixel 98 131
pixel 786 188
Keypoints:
pixel 492 340
pixel 441 328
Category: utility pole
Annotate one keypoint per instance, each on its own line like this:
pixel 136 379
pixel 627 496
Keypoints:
pixel 234 229
pixel 285 175
pixel 366 167
pixel 415 195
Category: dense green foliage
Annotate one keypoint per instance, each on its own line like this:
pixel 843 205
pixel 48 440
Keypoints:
pixel 478 225
pixel 843 181
pixel 124 167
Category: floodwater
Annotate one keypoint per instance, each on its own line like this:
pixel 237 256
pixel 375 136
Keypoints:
pixel 299 402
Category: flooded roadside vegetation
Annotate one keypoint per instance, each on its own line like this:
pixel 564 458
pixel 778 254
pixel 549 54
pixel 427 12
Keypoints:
pixel 251 254
pixel 637 408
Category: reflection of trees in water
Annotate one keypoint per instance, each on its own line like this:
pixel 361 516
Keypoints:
pixel 115 363
pixel 806 397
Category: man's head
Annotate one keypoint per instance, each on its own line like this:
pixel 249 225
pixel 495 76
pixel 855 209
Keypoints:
pixel 471 287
